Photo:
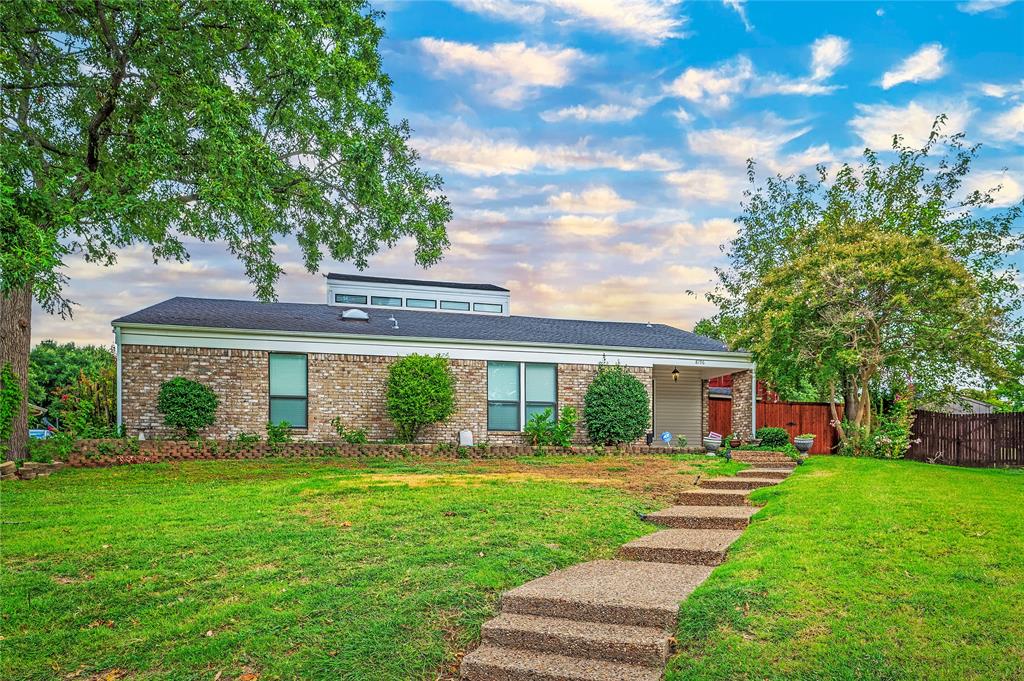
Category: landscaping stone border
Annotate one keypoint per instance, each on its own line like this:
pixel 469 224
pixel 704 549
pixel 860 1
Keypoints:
pixel 112 452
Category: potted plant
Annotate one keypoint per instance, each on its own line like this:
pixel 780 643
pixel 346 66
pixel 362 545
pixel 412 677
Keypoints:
pixel 712 442
pixel 804 442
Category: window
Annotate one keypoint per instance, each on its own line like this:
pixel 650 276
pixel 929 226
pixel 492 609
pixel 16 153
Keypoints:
pixel 487 307
pixel 386 300
pixel 420 302
pixel 540 389
pixel 288 398
pixel 349 299
pixel 454 305
pixel 503 396
pixel 509 407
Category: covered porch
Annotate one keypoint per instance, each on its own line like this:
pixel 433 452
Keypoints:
pixel 679 397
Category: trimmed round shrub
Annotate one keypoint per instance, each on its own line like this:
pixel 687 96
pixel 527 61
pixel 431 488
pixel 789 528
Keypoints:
pixel 773 437
pixel 616 408
pixel 421 391
pixel 187 405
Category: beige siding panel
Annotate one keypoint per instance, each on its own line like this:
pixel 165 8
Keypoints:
pixel 677 403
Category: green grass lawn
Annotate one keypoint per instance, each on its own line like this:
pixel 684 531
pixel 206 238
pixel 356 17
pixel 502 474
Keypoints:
pixel 295 569
pixel 370 569
pixel 863 569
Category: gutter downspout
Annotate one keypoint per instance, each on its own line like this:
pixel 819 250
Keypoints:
pixel 117 346
pixel 754 400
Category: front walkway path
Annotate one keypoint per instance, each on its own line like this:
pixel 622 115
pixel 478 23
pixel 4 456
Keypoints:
pixel 614 620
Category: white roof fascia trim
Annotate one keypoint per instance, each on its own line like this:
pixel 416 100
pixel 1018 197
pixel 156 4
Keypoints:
pixel 738 359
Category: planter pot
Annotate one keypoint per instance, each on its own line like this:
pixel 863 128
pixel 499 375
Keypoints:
pixel 712 445
pixel 803 444
pixel 755 442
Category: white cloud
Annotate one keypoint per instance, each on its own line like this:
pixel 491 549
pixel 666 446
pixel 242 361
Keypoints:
pixel 504 9
pixel 1011 189
pixel 598 199
pixel 979 6
pixel 828 53
pixel 712 232
pixel 716 86
pixel 999 91
pixel 646 21
pixel 739 6
pixel 1007 126
pixel 583 226
pixel 877 123
pixel 478 154
pixel 603 113
pixel 928 63
pixel 509 72
pixel 683 116
pixel 707 185
pixel 485 192
pixel 764 144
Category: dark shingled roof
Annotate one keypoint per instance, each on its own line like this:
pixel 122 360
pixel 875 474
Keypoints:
pixel 307 318
pixel 414 282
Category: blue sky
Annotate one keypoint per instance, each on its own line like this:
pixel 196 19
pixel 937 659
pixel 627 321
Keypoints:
pixel 594 152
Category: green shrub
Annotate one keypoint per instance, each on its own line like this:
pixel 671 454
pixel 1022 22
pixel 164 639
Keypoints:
pixel 354 436
pixel 773 437
pixel 278 433
pixel 420 391
pixel 10 401
pixel 542 430
pixel 187 405
pixel 616 407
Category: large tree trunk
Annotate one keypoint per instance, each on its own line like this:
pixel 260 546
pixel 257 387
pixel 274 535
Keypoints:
pixel 15 343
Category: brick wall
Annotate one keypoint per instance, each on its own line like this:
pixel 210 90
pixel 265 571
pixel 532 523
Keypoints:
pixel 742 404
pixel 349 387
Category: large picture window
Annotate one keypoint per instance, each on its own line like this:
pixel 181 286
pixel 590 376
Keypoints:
pixel 540 389
pixel 288 389
pixel 503 396
pixel 516 391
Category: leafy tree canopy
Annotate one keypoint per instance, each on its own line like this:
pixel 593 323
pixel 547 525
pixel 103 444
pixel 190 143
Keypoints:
pixel 55 366
pixel 174 121
pixel 888 270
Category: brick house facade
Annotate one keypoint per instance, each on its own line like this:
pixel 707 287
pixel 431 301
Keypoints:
pixel 227 345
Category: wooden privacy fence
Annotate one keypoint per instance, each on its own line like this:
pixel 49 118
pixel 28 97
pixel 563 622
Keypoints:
pixel 796 417
pixel 968 439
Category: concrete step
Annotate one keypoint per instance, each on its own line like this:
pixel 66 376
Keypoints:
pixel 491 663
pixel 703 517
pixel 645 646
pixel 771 473
pixel 767 461
pixel 713 497
pixel 690 547
pixel 736 483
pixel 609 591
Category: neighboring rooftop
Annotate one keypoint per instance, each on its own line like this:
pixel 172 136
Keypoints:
pixel 311 318
pixel 413 282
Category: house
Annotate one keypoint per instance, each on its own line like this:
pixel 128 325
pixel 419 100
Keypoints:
pixel 311 363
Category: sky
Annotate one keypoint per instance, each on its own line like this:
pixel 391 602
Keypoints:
pixel 594 152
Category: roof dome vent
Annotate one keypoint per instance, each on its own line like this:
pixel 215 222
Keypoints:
pixel 354 315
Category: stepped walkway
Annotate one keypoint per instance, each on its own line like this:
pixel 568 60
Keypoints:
pixel 614 620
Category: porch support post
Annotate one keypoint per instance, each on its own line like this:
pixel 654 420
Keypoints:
pixel 742 395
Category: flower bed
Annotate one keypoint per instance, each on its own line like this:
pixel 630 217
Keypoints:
pixel 111 452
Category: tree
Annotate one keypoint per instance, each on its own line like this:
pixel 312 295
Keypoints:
pixel 616 407
pixel 420 391
pixel 870 308
pixel 1008 394
pixel 855 237
pixel 173 120
pixel 55 368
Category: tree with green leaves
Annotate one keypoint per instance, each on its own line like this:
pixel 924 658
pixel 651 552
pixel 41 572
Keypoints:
pixel 879 275
pixel 56 368
pixel 156 123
